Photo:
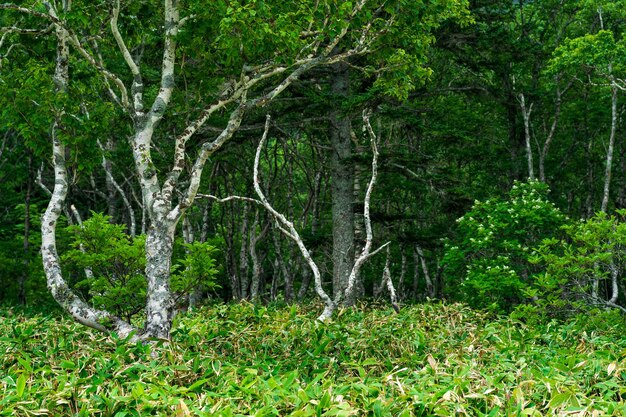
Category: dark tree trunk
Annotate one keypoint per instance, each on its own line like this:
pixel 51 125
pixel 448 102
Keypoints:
pixel 21 296
pixel 342 185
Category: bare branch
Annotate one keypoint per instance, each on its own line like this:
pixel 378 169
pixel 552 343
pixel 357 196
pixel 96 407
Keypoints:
pixel 229 198
pixel 365 253
pixel 129 207
pixel 137 87
pixel 287 226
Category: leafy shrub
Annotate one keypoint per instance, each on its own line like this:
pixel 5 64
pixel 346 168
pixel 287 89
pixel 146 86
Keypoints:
pixel 116 262
pixel 487 264
pixel 579 268
pixel 196 271
pixel 116 281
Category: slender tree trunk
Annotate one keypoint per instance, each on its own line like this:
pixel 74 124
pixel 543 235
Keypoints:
pixel 609 153
pixel 342 185
pixel 57 286
pixel 289 230
pixel 366 252
pixel 403 269
pixel 244 266
pixel 529 151
pixel 306 273
pixel 110 187
pixel 513 133
pixel 392 291
pixel 255 285
pixel 549 138
pixel 430 288
pixel 281 267
pixel 416 274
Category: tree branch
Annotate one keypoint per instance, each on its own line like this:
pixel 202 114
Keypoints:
pixel 365 253
pixel 287 226
pixel 137 87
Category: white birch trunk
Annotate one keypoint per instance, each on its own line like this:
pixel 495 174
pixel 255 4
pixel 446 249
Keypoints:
pixel 366 251
pixel 529 151
pixel 57 286
pixel 609 153
pixel 159 302
pixel 290 231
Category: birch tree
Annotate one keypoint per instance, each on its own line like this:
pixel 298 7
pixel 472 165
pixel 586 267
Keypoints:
pixel 175 67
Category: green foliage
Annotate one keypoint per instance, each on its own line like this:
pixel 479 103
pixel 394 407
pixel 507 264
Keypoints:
pixel 117 264
pixel 487 263
pixel 197 270
pixel 241 359
pixel 597 52
pixel 116 261
pixel 592 250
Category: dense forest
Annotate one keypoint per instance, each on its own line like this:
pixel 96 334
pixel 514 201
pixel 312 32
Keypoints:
pixel 498 175
pixel 307 157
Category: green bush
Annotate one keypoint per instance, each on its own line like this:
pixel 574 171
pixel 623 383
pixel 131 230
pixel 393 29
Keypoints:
pixel 117 262
pixel 196 271
pixel 487 263
pixel 578 267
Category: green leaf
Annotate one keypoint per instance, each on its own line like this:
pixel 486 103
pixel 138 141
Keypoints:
pixel 21 385
pixel 67 364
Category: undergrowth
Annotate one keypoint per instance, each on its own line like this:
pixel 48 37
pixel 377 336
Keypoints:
pixel 241 360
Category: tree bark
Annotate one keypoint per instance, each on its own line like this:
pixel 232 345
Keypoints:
pixel 430 288
pixel 281 267
pixel 342 185
pixel 526 111
pixel 57 286
pixel 244 266
pixel 609 153
pixel 159 302
pixel 256 286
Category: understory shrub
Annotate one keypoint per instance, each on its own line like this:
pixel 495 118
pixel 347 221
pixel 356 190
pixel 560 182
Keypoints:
pixel 582 270
pixel 243 359
pixel 487 264
pixel 107 266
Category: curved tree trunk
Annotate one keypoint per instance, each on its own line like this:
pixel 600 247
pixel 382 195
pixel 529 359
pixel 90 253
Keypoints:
pixel 57 286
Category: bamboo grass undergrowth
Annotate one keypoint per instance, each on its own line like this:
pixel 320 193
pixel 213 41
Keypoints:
pixel 250 360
